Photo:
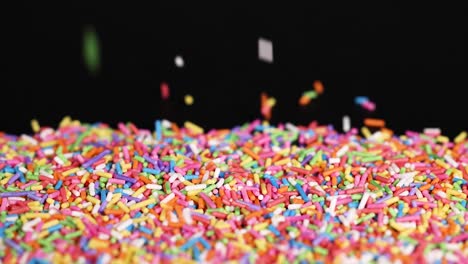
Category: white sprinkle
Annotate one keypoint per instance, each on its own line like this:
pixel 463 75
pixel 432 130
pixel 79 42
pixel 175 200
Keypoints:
pixel 168 198
pixel 77 214
pixel 153 186
pixel 342 151
pixel 260 197
pixel 109 196
pixel 187 216
pixel 292 127
pixel 76 193
pixel 96 209
pixel 334 160
pixel 122 226
pixel 92 190
pixel 220 183
pixel 292 181
pixel 331 209
pixel 58 160
pixel 105 259
pixel 138 242
pixel 205 176
pixel 179 61
pixel 128 191
pixel 195 187
pixel 451 161
pixel 48 152
pixel 103 236
pixel 294 206
pixel 364 199
pixel 346 123
pixel 432 131
pixel 265 50
pixel 16 199
pixel 216 173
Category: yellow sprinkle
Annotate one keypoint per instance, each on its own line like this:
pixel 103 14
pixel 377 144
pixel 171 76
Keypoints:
pixel 36 187
pixel 65 121
pixel 46 144
pixel 268 162
pixel 282 162
pixel 85 178
pixel 37 215
pixel 139 220
pixel 256 178
pixel 442 139
pixel 79 224
pixel 98 244
pixel 260 226
pixel 65 205
pixel 123 206
pixel 188 99
pixel 50 201
pixel 260 243
pixel 460 137
pixel 35 125
pixel 194 128
pixel 115 199
pixel 455 193
pixel 43 234
pixel 142 204
pixel 50 223
pixel 193 193
pixel 442 164
pixel 93 200
pixel 392 200
pixel 70 171
pixel 247 160
pixel 104 174
pixel 365 131
pixel 90 218
pixel 139 191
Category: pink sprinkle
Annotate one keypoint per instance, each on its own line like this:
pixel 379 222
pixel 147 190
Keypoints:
pixel 164 91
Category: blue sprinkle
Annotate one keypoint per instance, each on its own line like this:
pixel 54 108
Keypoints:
pixel 205 243
pixel 145 230
pixel 158 130
pixel 58 185
pixel 285 182
pixel 54 228
pixel 274 230
pixel 302 193
pixel 152 171
pixel 191 177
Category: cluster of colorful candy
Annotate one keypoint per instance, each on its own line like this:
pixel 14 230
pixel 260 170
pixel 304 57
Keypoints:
pixel 255 193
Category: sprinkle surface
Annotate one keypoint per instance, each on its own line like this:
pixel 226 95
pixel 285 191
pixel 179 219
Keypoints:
pixel 254 193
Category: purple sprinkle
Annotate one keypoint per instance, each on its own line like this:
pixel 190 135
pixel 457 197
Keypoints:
pixel 16 194
pixel 14 178
pixel 96 158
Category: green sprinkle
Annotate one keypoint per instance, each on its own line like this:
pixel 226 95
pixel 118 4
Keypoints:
pixel 91 53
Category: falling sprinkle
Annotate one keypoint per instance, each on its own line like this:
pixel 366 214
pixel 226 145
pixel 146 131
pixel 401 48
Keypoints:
pixel 91 48
pixel 179 61
pixel 188 99
pixel 164 91
pixel 318 87
pixel 265 50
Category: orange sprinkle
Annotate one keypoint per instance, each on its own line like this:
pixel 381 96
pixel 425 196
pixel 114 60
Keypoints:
pixel 249 152
pixel 374 122
pixel 318 86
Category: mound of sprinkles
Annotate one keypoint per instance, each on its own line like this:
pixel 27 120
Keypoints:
pixel 255 193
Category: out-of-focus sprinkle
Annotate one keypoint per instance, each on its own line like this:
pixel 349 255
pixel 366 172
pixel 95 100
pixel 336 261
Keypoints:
pixel 165 92
pixel 91 50
pixel 188 99
pixel 265 50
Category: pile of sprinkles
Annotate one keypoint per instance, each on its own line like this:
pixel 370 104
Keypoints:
pixel 255 193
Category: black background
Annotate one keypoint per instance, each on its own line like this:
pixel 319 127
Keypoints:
pixel 409 60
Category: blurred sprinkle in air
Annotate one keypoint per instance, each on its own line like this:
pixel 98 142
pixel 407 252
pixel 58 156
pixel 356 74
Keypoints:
pixel 91 54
